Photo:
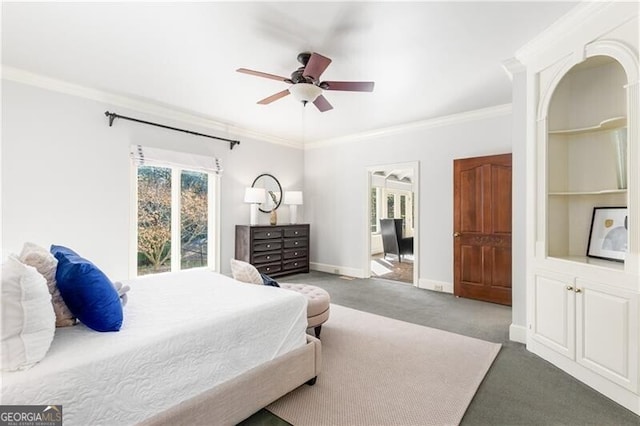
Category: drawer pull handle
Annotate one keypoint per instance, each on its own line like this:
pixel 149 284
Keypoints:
pixel 268 234
pixel 295 264
pixel 268 269
pixel 268 257
pixel 296 243
pixel 268 245
pixel 295 253
pixel 296 233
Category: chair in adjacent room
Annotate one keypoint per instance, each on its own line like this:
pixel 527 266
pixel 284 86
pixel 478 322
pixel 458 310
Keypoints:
pixel 392 240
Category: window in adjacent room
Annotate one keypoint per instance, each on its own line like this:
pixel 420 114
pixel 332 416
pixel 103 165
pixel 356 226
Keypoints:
pixel 391 199
pixel 403 211
pixel 174 216
pixel 374 209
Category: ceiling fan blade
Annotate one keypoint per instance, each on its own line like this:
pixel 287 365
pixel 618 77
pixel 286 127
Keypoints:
pixel 263 74
pixel 322 104
pixel 316 66
pixel 349 86
pixel 275 97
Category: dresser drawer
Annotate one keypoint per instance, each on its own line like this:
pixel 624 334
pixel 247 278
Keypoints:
pixel 295 242
pixel 295 253
pixel 269 268
pixel 267 257
pixel 267 234
pixel 295 232
pixel 267 245
pixel 295 264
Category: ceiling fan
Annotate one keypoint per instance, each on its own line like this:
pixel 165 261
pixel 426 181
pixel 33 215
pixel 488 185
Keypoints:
pixel 305 82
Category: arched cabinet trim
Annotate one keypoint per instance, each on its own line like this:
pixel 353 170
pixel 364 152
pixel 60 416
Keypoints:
pixel 614 49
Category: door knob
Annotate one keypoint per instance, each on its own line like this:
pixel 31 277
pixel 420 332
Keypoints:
pixel 456 234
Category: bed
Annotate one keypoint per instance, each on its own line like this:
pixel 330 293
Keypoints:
pixel 196 347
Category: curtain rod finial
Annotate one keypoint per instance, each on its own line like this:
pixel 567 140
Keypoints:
pixel 112 116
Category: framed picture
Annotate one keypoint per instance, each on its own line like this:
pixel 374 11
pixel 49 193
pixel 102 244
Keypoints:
pixel 609 233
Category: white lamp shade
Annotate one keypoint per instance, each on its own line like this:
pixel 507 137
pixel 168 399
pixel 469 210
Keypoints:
pixel 255 195
pixel 305 92
pixel 293 197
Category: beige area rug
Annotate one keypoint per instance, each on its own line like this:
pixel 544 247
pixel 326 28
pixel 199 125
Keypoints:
pixel 381 371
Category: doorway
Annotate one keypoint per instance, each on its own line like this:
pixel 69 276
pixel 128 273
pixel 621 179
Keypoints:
pixel 392 225
pixel 482 228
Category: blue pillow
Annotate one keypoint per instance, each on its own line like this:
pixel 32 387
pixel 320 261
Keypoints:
pixel 87 291
pixel 267 280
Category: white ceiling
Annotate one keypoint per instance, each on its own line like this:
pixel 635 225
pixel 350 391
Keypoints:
pixel 428 59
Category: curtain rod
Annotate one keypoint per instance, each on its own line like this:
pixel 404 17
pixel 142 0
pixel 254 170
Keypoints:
pixel 112 116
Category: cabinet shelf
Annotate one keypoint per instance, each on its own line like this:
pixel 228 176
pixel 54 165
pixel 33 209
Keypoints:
pixel 602 192
pixel 608 124
pixel 592 261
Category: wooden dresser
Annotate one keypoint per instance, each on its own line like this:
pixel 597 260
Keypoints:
pixel 274 250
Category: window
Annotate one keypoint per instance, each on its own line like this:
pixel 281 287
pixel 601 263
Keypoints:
pixel 374 210
pixel 154 219
pixel 391 199
pixel 403 211
pixel 174 214
pixel 399 204
pixel 194 237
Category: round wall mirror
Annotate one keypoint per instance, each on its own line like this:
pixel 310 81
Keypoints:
pixel 274 192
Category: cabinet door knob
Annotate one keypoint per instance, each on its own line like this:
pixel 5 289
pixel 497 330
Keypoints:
pixel 578 290
pixel 456 234
pixel 569 288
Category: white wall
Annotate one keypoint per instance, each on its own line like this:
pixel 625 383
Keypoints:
pixel 66 174
pixel 335 190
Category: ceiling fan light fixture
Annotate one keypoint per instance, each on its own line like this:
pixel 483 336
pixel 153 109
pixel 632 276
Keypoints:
pixel 305 92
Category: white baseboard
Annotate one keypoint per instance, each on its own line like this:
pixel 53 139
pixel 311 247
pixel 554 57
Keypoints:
pixel 518 333
pixel 441 286
pixel 337 270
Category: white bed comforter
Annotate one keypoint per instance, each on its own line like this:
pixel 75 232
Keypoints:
pixel 183 333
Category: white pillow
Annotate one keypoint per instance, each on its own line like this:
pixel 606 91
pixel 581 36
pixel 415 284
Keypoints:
pixel 45 263
pixel 28 320
pixel 245 272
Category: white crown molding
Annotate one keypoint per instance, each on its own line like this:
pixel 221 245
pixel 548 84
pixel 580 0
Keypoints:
pixel 447 120
pixel 567 24
pixel 512 66
pixel 144 106
pixel 172 113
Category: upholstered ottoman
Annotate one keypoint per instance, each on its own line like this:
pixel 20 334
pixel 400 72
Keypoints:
pixel 317 304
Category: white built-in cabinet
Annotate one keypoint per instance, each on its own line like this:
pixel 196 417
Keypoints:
pixel 590 323
pixel 582 312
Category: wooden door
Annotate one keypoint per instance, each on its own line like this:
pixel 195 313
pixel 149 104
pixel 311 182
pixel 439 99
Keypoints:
pixel 482 228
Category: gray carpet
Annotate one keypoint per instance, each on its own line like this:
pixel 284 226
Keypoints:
pixel 519 389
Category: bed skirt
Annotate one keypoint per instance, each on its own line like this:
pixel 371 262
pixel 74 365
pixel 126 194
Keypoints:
pixel 233 401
